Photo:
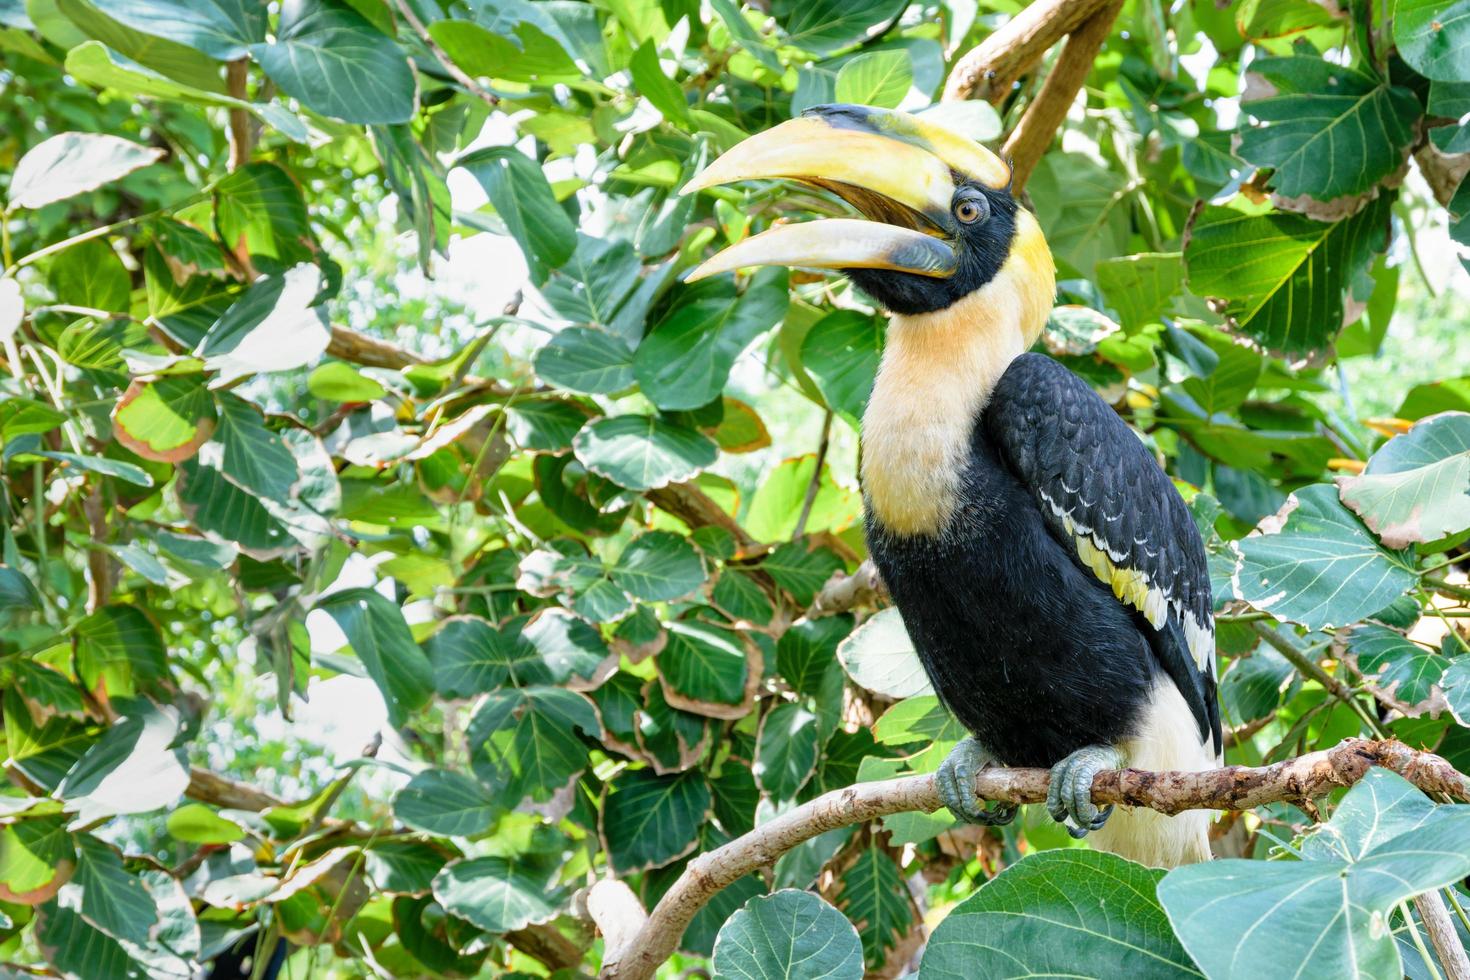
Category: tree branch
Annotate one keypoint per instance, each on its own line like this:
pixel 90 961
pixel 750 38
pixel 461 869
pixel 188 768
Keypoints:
pixel 1231 788
pixel 1046 113
pixel 242 134
pixel 1442 936
pixel 989 69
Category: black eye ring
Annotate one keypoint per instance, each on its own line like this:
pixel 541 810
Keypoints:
pixel 971 210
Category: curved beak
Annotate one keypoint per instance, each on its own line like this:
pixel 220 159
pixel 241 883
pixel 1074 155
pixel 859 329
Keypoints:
pixel 896 169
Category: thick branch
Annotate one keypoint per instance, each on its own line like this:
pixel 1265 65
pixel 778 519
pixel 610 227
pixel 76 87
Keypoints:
pixel 1046 113
pixel 989 69
pixel 1231 788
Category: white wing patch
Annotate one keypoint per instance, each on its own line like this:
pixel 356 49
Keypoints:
pixel 1135 588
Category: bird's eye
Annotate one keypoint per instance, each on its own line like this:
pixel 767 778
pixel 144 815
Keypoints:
pixel 972 209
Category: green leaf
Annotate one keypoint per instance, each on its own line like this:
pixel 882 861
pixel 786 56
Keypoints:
pixel 875 898
pixel 523 200
pixel 112 900
pixel 523 53
pixel 543 424
pixel 1083 208
pixel 826 26
pixel 260 208
pixel 178 61
pixel 649 820
pixel 686 359
pixel 1326 129
pixel 252 456
pixel 738 596
pixel 841 353
pixel 1434 37
pixel 785 935
pixel 786 750
pixel 73 163
pixel 659 566
pixel 808 650
pixel 642 452
pixel 658 88
pixel 1140 287
pixel 1060 913
pixel 568 649
pixel 338 381
pixel 215 505
pixel 403 867
pixel 121 645
pixel 496 894
pixel 879 78
pixel 586 359
pixel 195 823
pixel 221 29
pixel 470 656
pixel 1403 669
pixel 274 326
pixel 1456 684
pixel 800 570
pixel 165 420
pixel 736 797
pixel 1416 488
pixel 78 950
pixel 1228 913
pixel 745 35
pixel 130 769
pixel 523 742
pixel 438 801
pixel 880 657
pixel 1322 568
pixel 781 494
pixel 36 859
pixel 335 62
pixel 1283 275
pixel 1452 100
pixel 381 639
pixel 705 670
pixel 16 591
pixel 91 274
pixel 673 740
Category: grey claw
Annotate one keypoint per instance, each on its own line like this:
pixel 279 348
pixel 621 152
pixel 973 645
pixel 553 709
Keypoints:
pixel 1069 795
pixel 956 782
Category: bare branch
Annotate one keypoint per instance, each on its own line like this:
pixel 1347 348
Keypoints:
pixel 989 69
pixel 1046 113
pixel 1443 936
pixel 1296 780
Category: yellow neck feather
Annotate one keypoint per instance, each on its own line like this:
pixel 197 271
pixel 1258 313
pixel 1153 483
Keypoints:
pixel 937 373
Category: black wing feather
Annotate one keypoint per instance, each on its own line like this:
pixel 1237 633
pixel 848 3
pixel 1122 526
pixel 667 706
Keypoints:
pixel 1101 490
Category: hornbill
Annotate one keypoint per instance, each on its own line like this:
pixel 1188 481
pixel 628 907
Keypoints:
pixel 1047 571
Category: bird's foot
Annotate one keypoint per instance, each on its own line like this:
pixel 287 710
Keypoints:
pixel 956 781
pixel 1069 797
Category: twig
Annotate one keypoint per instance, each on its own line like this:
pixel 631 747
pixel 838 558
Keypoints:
pixel 815 483
pixel 442 56
pixel 1231 788
pixel 1046 113
pixel 1310 668
pixel 1442 936
pixel 242 134
pixel 989 69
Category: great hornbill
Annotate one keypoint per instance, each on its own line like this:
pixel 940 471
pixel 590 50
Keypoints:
pixel 1046 569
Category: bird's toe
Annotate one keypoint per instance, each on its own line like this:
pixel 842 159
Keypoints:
pixel 956 782
pixel 1069 795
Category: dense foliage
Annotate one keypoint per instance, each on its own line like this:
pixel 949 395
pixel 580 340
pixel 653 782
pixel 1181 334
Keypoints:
pixel 576 547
